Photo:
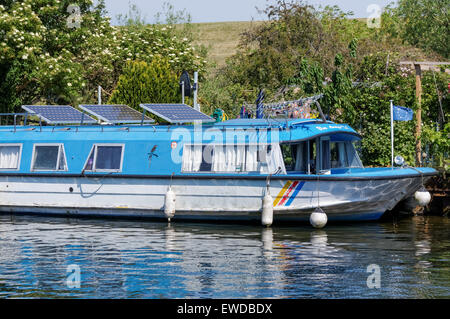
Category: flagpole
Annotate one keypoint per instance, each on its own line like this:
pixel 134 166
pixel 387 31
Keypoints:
pixel 392 133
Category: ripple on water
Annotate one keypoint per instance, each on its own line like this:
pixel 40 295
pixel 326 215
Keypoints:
pixel 152 260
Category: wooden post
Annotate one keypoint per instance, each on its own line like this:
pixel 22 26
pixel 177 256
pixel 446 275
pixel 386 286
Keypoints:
pixel 417 66
pixel 418 114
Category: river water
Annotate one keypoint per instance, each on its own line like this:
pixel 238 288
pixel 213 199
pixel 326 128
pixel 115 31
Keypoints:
pixel 44 257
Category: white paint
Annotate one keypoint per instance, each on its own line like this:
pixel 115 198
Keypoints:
pixel 237 199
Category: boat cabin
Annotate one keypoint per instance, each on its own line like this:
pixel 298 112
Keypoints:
pixel 138 147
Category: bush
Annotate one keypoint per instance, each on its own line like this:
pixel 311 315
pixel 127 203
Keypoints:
pixel 43 59
pixel 143 82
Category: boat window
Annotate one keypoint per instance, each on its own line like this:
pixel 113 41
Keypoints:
pixel 10 156
pixel 288 156
pixel 48 158
pixel 343 155
pixel 338 155
pixel 295 157
pixel 105 158
pixel 232 158
pixel 108 157
pixel 353 159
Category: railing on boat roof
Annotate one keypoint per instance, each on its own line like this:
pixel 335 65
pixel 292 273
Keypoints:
pixel 295 109
pixel 15 115
pixel 102 114
pixel 111 114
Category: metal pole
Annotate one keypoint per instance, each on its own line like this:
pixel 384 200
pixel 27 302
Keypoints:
pixel 392 134
pixel 99 95
pixel 182 92
pixel 196 106
pixel 418 114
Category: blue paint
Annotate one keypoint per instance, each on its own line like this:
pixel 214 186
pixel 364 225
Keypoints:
pixel 140 140
pixel 297 189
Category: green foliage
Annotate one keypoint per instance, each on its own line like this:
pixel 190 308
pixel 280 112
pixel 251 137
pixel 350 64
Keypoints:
pixel 292 53
pixel 371 101
pixel 439 144
pixel 141 82
pixel 43 59
pixel 336 95
pixel 424 24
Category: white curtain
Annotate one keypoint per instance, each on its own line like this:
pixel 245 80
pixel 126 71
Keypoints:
pixel 187 162
pixel 276 160
pixel 219 159
pixel 229 158
pixel 192 158
pixel 236 158
pixel 251 164
pixel 9 157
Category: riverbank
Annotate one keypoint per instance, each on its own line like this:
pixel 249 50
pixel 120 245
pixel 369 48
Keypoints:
pixel 439 189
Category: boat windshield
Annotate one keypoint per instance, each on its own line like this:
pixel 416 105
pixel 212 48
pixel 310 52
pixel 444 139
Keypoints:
pixel 320 155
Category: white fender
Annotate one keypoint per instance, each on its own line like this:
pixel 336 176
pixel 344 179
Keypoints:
pixel 423 197
pixel 318 218
pixel 169 204
pixel 267 210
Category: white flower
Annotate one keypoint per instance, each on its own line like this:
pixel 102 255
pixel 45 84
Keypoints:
pixel 25 56
pixel 69 84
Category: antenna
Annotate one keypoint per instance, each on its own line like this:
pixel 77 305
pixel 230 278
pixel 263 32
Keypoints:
pixel 99 94
pixel 185 84
pixel 195 88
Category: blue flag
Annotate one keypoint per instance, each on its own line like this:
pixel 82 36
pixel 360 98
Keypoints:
pixel 403 113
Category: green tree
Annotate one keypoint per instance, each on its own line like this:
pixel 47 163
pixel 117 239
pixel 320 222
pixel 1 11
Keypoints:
pixel 50 54
pixel 143 82
pixel 424 23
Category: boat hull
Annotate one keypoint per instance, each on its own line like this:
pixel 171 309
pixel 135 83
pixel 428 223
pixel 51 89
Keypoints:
pixel 209 199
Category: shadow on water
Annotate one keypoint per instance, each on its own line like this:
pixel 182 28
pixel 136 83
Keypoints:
pixel 136 259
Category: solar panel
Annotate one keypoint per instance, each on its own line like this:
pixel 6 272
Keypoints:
pixel 116 113
pixel 59 114
pixel 177 113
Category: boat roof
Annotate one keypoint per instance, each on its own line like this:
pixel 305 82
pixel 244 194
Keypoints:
pixel 268 123
pixel 250 130
pixel 295 129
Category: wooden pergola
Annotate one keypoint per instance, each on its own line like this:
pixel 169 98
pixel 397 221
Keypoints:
pixel 418 67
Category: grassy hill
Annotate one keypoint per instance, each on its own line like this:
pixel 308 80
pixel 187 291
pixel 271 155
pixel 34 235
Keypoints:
pixel 221 38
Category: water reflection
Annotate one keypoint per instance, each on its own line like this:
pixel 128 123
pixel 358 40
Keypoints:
pixel 156 260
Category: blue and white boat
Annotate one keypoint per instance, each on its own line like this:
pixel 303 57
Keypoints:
pixel 207 171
